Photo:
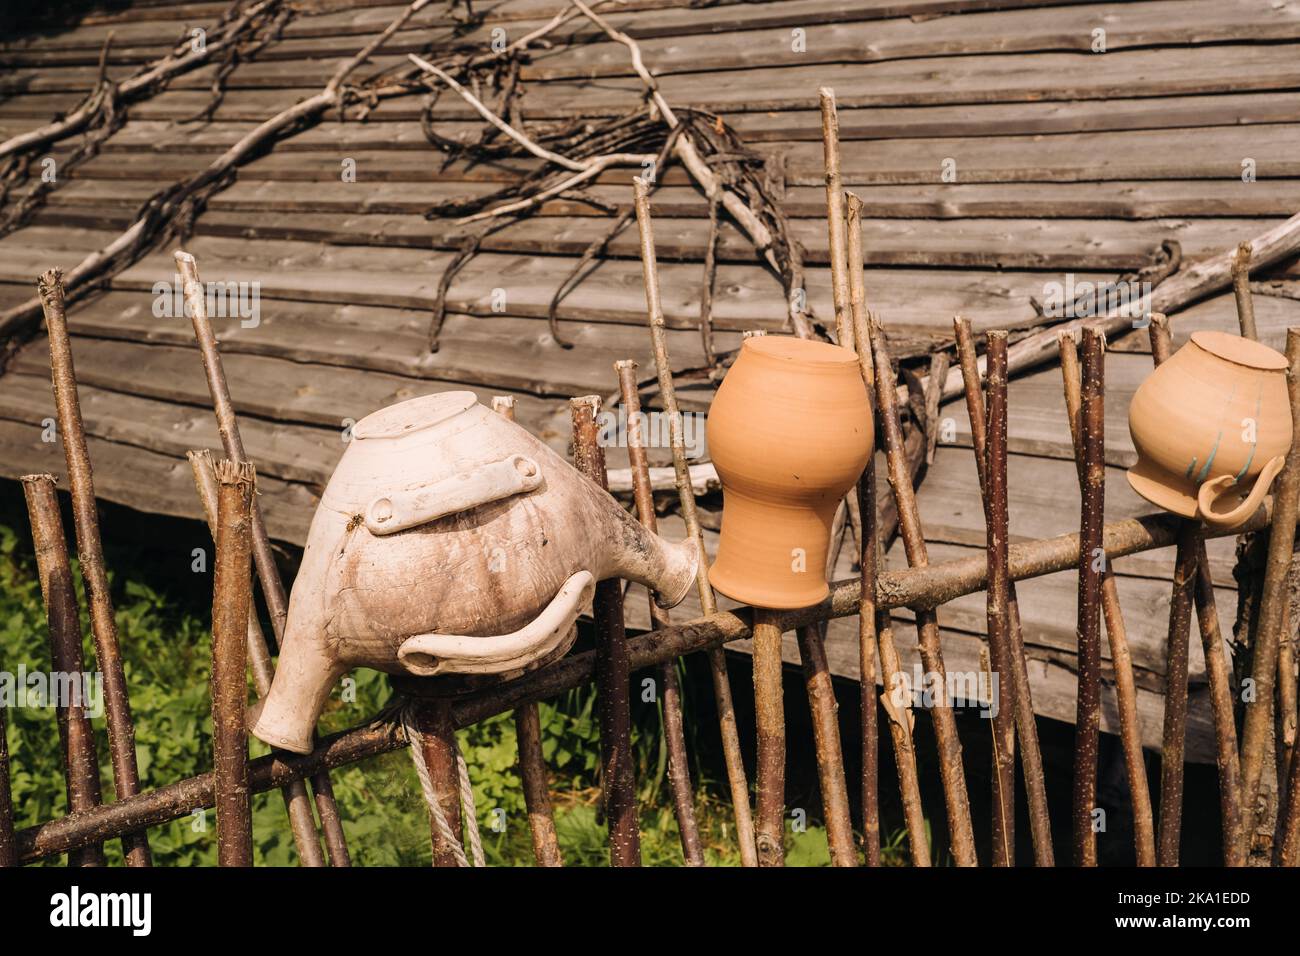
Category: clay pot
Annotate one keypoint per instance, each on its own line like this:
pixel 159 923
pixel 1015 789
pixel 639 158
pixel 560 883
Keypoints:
pixel 1212 427
pixel 789 431
pixel 450 541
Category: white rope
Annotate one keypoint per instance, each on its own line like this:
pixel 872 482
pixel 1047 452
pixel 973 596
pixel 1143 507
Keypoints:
pixel 416 741
pixel 467 809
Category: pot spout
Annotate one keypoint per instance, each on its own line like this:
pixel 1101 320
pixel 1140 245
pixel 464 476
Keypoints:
pixel 286 716
pixel 666 568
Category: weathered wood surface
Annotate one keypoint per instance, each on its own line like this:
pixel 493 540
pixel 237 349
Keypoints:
pixel 1066 161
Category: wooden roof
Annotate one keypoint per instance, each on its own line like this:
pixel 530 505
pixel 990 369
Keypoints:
pixel 1066 160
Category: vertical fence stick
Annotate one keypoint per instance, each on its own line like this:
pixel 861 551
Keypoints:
pixel 232 443
pixel 840 263
pixel 1268 635
pixel 1144 837
pixel 231 595
pixel 1031 756
pixel 121 731
pixel 736 779
pixel 436 731
pixel 8 851
pixel 826 743
pixel 868 554
pixel 962 834
pixel 1216 665
pixel 612 664
pixel 528 736
pixel 1241 290
pixel 679 770
pixel 63 619
pixel 1285 719
pixel 769 717
pixel 1092 424
pixel 297 801
pixel 997 601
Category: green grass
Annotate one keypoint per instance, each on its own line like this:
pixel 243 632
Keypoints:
pixel 166 649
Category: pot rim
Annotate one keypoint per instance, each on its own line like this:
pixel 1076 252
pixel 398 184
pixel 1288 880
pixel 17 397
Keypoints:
pixel 404 418
pixel 1239 351
pixel 789 348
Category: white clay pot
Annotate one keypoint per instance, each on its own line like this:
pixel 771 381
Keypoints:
pixel 449 540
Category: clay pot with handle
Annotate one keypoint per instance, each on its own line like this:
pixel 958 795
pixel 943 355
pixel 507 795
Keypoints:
pixel 1212 427
pixel 449 540
pixel 789 431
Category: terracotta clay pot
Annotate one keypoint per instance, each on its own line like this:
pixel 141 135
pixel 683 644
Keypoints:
pixel 1212 427
pixel 789 431
pixel 449 540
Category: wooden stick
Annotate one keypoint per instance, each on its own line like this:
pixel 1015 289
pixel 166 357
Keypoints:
pixel 231 597
pixel 870 619
pixel 997 597
pixel 437 731
pixel 613 670
pixel 268 575
pixel 938 583
pixel 826 744
pixel 736 779
pixel 1259 712
pixel 1088 719
pixel 769 716
pixel 1026 723
pixel 945 724
pixel 835 219
pixel 1241 290
pixel 80 756
pixel 90 551
pixel 8 846
pixel 1130 733
pixel 1216 666
pixel 679 771
pixel 1190 284
pixel 296 799
pixel 897 700
pixel 528 736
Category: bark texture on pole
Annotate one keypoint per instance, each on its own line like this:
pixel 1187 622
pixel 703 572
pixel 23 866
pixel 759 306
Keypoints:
pixel 8 845
pixel 1144 830
pixel 613 670
pixel 997 608
pixel 679 770
pixel 769 716
pixel 1031 757
pixel 737 781
pixel 1091 561
pixel 961 831
pixel 296 799
pixel 1241 291
pixel 1259 712
pixel 437 732
pixel 1227 756
pixel 63 619
pixel 840 263
pixel 826 742
pixel 1173 739
pixel 528 737
pixel 268 575
pixel 90 551
pixel 231 593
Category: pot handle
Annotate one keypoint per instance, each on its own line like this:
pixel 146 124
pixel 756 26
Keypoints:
pixel 1211 490
pixel 512 475
pixel 425 655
